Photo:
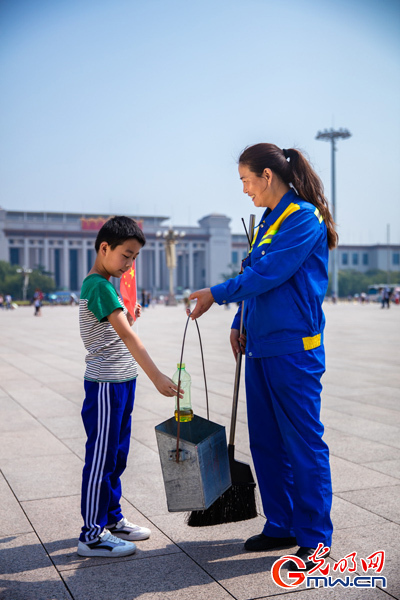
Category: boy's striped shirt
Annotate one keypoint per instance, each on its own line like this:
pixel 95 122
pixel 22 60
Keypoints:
pixel 108 358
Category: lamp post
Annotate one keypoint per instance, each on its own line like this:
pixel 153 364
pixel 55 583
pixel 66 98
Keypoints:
pixel 330 135
pixel 170 239
pixel 25 272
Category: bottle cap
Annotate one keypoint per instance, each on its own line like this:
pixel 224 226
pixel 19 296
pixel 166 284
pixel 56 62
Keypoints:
pixel 180 365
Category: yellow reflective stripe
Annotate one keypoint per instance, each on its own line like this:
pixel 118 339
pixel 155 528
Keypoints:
pixel 254 238
pixel 269 232
pixel 312 342
pixel 274 228
pixel 318 215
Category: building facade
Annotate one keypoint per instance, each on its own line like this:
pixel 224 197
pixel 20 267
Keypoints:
pixel 365 258
pixel 351 258
pixel 63 243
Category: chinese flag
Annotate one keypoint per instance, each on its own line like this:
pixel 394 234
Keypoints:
pixel 128 289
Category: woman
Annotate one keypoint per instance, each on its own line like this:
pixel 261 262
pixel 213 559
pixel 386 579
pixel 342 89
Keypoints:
pixel 283 285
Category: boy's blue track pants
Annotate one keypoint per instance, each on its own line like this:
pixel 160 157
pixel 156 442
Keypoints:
pixel 106 415
pixel 290 458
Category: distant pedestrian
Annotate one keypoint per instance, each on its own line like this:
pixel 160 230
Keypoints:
pixel 37 305
pixel 386 293
pixel 1 301
pixel 114 350
pixel 37 302
pixel 8 299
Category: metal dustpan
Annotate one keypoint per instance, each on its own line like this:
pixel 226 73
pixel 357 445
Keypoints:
pixel 202 473
pixel 194 459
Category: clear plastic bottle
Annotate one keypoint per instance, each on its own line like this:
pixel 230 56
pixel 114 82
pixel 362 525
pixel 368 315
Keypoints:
pixel 185 403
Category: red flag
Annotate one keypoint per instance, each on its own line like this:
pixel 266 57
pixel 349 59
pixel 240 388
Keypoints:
pixel 128 289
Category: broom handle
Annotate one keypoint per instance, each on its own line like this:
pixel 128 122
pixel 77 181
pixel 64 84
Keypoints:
pixel 239 356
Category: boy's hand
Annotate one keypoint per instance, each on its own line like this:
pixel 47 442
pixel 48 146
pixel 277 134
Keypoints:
pixel 166 386
pixel 138 313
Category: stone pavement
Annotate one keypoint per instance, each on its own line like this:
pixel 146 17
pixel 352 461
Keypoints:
pixel 42 448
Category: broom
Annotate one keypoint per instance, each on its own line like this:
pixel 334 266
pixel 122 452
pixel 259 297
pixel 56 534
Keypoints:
pixel 238 503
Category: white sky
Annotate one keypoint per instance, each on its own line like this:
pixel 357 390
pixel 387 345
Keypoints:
pixel 142 108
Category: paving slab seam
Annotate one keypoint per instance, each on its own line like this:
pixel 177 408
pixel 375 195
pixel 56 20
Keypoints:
pixel 23 407
pixel 37 536
pixel 363 507
pixel 62 371
pixel 52 498
pixel 337 494
pixel 184 552
pixel 360 402
pixel 114 561
pixel 376 470
pixel 41 423
pixel 361 437
pixel 150 558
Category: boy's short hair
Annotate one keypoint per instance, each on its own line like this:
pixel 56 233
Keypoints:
pixel 117 230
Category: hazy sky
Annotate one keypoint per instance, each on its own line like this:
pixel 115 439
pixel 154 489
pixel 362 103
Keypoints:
pixel 142 108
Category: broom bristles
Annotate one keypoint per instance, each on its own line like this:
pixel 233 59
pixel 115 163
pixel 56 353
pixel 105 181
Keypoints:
pixel 238 503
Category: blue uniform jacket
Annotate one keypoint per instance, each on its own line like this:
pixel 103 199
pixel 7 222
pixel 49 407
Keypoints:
pixel 284 281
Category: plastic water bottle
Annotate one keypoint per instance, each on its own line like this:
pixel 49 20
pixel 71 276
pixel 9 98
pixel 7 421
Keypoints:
pixel 185 403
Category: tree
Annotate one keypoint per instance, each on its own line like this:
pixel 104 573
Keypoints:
pixel 11 281
pixel 354 282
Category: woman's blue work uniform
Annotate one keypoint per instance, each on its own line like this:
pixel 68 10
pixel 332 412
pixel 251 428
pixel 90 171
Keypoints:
pixel 283 285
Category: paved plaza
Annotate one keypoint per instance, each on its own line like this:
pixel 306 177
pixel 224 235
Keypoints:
pixel 42 450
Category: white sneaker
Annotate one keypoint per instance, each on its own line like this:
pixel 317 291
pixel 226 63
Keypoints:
pixel 128 531
pixel 106 545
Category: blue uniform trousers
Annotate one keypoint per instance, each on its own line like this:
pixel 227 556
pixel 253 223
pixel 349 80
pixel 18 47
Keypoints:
pixel 106 415
pixel 290 458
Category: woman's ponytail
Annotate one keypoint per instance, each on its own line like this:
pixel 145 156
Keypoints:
pixel 310 187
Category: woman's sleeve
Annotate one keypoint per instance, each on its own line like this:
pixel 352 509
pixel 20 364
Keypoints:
pixel 290 247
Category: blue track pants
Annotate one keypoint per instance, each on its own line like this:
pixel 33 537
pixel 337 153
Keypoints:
pixel 290 458
pixel 106 415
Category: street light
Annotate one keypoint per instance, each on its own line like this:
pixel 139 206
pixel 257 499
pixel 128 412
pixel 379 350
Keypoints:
pixel 170 239
pixel 330 135
pixel 25 272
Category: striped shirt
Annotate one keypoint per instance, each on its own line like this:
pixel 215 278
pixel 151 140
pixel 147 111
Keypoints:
pixel 108 358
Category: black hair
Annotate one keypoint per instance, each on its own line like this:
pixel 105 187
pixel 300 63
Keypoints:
pixel 296 171
pixel 117 230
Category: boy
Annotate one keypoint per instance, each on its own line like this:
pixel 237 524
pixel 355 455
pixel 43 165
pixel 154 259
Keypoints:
pixel 110 381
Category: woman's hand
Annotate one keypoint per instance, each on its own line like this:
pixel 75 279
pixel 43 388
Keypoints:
pixel 238 342
pixel 204 299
